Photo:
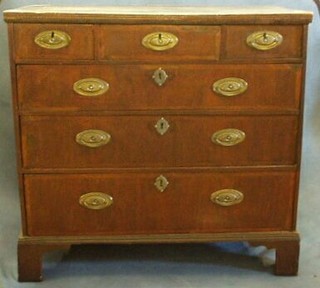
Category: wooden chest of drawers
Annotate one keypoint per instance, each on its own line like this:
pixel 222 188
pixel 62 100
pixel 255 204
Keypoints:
pixel 156 125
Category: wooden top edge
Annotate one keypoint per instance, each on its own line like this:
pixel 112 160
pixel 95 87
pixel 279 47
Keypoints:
pixel 105 14
pixel 158 10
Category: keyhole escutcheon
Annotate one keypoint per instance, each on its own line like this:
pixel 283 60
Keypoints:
pixel 160 76
pixel 162 126
pixel 161 183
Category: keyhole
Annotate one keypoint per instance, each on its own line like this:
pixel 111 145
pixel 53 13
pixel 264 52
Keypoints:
pixel 52 38
pixel 160 75
pixel 160 37
pixel 265 37
pixel 162 126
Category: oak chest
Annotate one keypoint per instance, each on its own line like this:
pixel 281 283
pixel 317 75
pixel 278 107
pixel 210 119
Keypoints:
pixel 156 125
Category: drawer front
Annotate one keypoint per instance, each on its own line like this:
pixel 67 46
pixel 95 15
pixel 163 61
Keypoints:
pixel 157 141
pixel 263 42
pixel 53 42
pixel 135 87
pixel 158 42
pixel 130 203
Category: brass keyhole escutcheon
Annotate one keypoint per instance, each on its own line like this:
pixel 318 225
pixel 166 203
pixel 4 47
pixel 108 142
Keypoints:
pixel 161 183
pixel 160 76
pixel 162 126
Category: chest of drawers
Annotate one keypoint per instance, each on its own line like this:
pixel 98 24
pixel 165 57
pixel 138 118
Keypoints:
pixel 157 125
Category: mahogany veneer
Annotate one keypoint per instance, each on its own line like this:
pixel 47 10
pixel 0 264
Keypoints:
pixel 143 125
pixel 135 91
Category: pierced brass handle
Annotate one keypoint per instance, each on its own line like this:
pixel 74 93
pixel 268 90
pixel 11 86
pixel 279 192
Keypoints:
pixel 160 41
pixel 95 200
pixel 91 87
pixel 264 40
pixel 227 197
pixel 228 137
pixel 162 126
pixel 93 138
pixel 161 183
pixel 230 86
pixel 160 76
pixel 52 39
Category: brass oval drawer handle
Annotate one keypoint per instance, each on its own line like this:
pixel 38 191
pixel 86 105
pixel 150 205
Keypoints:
pixel 231 86
pixel 91 87
pixel 264 40
pixel 52 39
pixel 228 137
pixel 95 200
pixel 161 183
pixel 227 197
pixel 160 41
pixel 93 138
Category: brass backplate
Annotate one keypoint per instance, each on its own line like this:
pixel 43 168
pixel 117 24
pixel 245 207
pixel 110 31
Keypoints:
pixel 160 41
pixel 228 137
pixel 227 197
pixel 52 39
pixel 93 138
pixel 230 86
pixel 264 40
pixel 91 87
pixel 95 200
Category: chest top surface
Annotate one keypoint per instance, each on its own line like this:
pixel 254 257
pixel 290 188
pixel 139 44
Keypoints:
pixel 153 14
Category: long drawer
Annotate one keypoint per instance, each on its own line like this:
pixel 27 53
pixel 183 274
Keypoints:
pixel 153 141
pixel 131 203
pixel 159 86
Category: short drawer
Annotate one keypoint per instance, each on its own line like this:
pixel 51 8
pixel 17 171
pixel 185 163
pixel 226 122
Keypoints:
pixel 130 203
pixel 167 86
pixel 158 42
pixel 53 42
pixel 157 141
pixel 262 42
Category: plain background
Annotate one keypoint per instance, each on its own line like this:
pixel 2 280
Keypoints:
pixel 167 265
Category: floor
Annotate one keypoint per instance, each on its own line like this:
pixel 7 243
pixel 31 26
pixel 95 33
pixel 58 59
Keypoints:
pixel 185 265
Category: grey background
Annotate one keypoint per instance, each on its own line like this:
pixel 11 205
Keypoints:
pixel 167 265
